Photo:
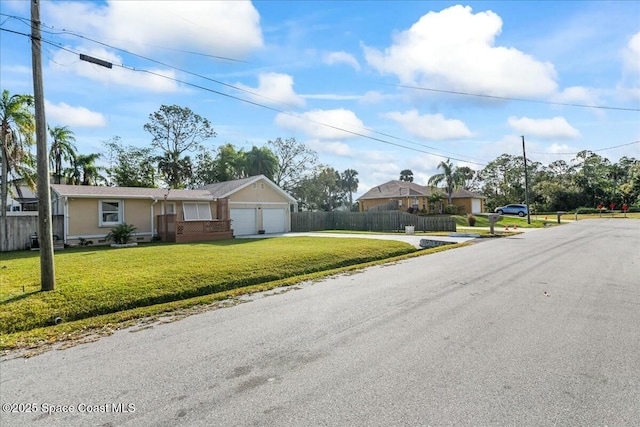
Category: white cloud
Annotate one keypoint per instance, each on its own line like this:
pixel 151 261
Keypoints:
pixel 455 49
pixel 342 58
pixel 577 94
pixel 65 62
pixel 67 115
pixel 555 128
pixel 323 124
pixel 223 28
pixel 275 88
pixel 430 126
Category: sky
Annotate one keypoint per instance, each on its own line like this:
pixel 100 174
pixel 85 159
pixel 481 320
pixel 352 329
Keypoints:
pixel 375 86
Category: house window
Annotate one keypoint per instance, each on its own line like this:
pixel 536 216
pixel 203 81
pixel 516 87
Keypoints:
pixel 111 212
pixel 253 186
pixel 196 211
pixel 262 186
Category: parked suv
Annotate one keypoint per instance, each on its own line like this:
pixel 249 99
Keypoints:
pixel 520 210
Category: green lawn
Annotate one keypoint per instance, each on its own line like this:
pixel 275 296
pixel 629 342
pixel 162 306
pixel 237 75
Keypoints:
pixel 510 220
pixel 101 280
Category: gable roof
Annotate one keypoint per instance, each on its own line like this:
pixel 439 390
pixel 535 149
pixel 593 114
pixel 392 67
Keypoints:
pixel 396 188
pixel 218 190
pixel 90 191
pixel 224 189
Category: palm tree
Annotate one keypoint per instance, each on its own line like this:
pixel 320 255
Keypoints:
pixel 84 171
pixel 260 161
pixel 450 175
pixel 62 148
pixel 350 183
pixel 17 125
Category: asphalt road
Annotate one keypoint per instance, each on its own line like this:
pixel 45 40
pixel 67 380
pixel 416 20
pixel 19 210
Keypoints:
pixel 537 329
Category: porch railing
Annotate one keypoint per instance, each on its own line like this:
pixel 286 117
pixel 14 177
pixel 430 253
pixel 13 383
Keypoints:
pixel 192 231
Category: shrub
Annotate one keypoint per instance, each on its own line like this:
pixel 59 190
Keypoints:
pixel 451 209
pixel 471 220
pixel 121 234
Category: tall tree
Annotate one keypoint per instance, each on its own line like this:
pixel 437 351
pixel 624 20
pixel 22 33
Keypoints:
pixel 406 175
pixel 450 176
pixel 84 171
pixel 62 148
pixel 349 181
pixel 17 125
pixel 503 180
pixel 593 178
pixel 176 130
pixel 260 161
pixel 229 163
pixel 296 161
pixel 130 166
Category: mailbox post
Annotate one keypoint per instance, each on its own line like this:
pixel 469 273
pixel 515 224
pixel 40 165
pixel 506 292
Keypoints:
pixel 493 218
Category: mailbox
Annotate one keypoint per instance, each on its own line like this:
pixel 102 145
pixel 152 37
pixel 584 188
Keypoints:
pixel 493 218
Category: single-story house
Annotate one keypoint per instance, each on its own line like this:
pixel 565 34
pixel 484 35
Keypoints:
pixel 411 195
pixel 216 211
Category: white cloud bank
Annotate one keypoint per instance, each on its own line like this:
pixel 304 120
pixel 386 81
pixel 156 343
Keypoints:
pixel 73 116
pixel 323 124
pixel 555 128
pixel 274 88
pixel 430 126
pixel 455 49
pixel 223 28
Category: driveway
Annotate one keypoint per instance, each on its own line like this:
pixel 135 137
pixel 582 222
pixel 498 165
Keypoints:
pixel 412 239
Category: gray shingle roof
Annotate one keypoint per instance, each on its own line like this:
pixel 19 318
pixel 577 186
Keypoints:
pixel 396 188
pixel 217 190
pixel 87 191
pixel 223 189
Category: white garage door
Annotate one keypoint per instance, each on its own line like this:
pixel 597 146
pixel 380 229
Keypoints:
pixel 273 220
pixel 475 205
pixel 243 221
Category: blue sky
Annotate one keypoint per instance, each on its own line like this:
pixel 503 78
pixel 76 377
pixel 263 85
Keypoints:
pixel 370 68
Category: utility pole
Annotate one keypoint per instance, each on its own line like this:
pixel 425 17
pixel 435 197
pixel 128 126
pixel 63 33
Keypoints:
pixel 526 182
pixel 45 234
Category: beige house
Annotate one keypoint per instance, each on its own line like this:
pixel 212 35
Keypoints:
pixel 216 211
pixel 404 195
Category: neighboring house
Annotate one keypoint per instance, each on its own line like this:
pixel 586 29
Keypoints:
pixel 207 213
pixel 411 195
pixel 24 201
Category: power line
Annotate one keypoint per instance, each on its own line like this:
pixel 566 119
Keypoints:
pixel 58 45
pixel 508 98
pixel 53 30
pixel 595 151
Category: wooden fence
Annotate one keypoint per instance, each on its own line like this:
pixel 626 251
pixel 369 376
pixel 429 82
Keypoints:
pixel 15 235
pixel 369 221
